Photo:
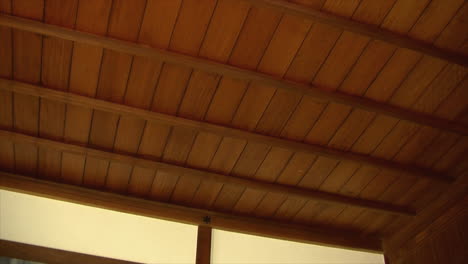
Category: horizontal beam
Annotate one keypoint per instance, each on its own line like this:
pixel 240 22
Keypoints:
pixel 68 98
pixel 202 175
pixel 50 255
pixel 368 30
pixel 235 72
pixel 248 225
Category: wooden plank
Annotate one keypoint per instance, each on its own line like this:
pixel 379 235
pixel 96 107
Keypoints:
pixel 330 237
pixel 256 33
pixel 434 19
pixel 223 31
pixel 452 36
pixel 125 160
pixel 274 109
pixel 158 22
pixel 85 68
pixel 341 8
pixel 49 164
pixel 6 47
pixel 203 245
pixel 233 71
pixel 23 251
pixel 403 15
pixel 124 23
pixel 103 106
pixel 374 31
pixel 55 73
pixel 27 61
pixel 195 91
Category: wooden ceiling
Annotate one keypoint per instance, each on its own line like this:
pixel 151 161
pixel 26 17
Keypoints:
pixel 350 115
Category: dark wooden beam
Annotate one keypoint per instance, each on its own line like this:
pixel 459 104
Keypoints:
pixel 371 31
pixel 204 245
pixel 202 175
pixel 68 98
pixel 235 72
pixel 51 256
pixel 254 226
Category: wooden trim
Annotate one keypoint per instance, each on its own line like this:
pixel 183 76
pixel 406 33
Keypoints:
pixel 50 255
pixel 248 225
pixel 235 72
pixel 68 98
pixel 210 176
pixel 204 245
pixel 368 30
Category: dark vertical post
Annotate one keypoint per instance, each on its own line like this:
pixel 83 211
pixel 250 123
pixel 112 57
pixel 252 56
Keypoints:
pixel 204 245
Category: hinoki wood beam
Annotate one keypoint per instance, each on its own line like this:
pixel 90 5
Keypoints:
pixel 254 226
pixel 231 71
pixel 202 175
pixel 68 98
pixel 371 31
pixel 22 251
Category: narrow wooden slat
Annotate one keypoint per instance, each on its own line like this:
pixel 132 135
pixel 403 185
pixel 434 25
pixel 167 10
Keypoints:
pixel 21 88
pixel 204 245
pixel 71 99
pixel 50 255
pixel 361 28
pixel 236 72
pixel 312 235
pixel 204 175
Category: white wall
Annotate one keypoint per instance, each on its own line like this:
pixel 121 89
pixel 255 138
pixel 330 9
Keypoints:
pixel 235 248
pixel 62 225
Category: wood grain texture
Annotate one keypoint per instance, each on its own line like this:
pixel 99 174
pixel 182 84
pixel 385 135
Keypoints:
pixel 336 238
pixel 236 72
pixel 121 168
pixel 376 32
pixel 116 109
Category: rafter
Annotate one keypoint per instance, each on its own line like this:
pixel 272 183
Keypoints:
pixel 68 98
pixel 231 71
pixel 371 31
pixel 202 175
pixel 254 226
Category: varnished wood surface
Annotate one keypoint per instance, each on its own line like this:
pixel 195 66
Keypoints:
pixel 234 72
pixel 366 29
pixel 285 53
pixel 200 175
pixel 116 109
pixel 186 215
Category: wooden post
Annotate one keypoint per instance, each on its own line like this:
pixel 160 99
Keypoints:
pixel 204 245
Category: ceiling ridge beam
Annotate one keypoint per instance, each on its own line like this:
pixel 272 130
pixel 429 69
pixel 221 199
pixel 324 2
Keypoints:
pixel 248 225
pixel 203 175
pixel 361 28
pixel 69 98
pixel 318 94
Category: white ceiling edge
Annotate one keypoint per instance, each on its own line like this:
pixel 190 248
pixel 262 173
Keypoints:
pixel 84 229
